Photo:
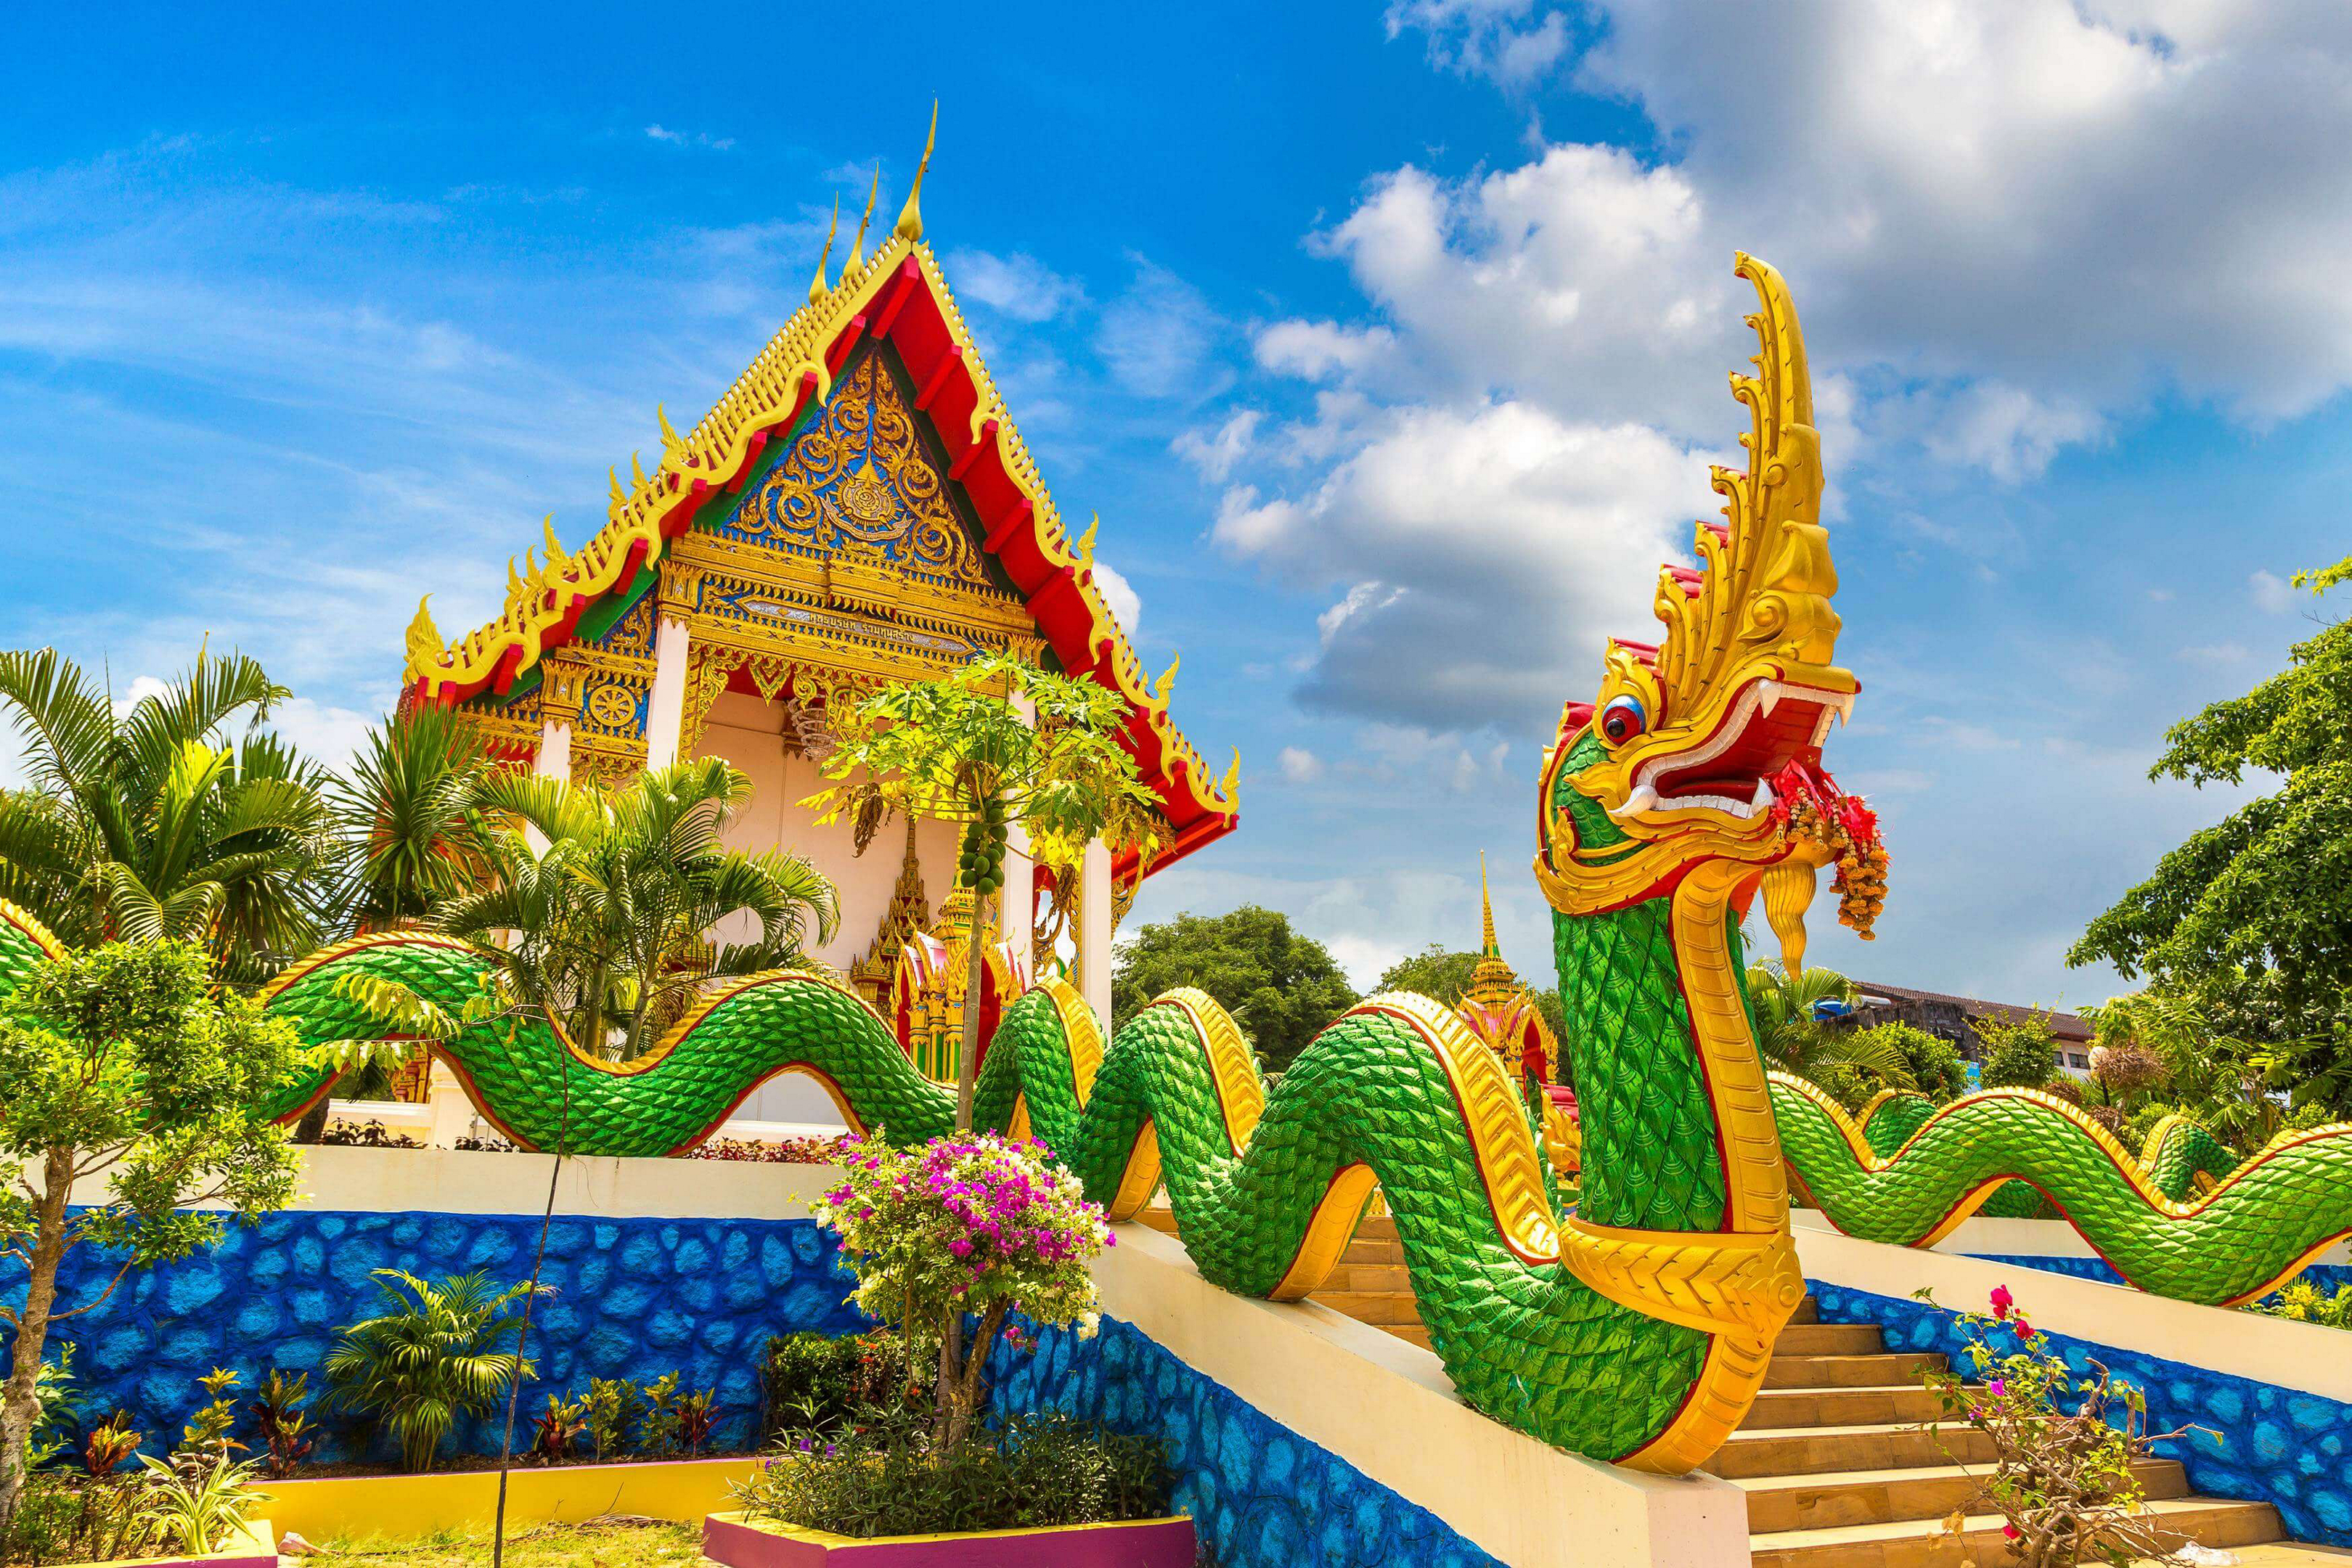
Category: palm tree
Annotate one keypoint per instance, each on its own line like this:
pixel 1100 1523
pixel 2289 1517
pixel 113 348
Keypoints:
pixel 1795 1039
pixel 436 1352
pixel 604 921
pixel 409 817
pixel 177 815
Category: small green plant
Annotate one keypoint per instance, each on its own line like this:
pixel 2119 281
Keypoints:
pixel 436 1352
pixel 559 1426
pixel 657 1428
pixel 818 1382
pixel 2302 1302
pixel 282 1423
pixel 53 1398
pixel 109 1443
pixel 198 1500
pixel 1040 1470
pixel 2064 1444
pixel 58 1520
pixel 209 1432
pixel 613 1405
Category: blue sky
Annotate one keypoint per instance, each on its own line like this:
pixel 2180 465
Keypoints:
pixel 1389 343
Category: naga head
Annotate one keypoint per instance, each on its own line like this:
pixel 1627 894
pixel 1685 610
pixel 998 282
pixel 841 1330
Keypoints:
pixel 1704 750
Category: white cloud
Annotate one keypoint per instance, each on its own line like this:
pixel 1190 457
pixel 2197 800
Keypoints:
pixel 1156 338
pixel 1485 553
pixel 1118 596
pixel 1506 40
pixel 1300 765
pixel 1018 286
pixel 1215 454
pixel 2223 652
pixel 702 139
pixel 2273 594
pixel 1313 349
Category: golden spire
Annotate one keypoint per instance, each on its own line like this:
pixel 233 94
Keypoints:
pixel 818 288
pixel 1488 947
pixel 857 251
pixel 910 216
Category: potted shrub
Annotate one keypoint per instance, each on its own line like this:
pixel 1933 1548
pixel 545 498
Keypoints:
pixel 949 1241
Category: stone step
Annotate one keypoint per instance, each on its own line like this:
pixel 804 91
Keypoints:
pixel 1849 1371
pixel 1777 1503
pixel 1382 1309
pixel 1374 1254
pixel 1831 1338
pixel 1808 1311
pixel 1925 1543
pixel 1779 1409
pixel 1874 1445
pixel 1375 1277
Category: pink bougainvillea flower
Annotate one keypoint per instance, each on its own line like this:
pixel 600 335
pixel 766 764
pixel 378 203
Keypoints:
pixel 2002 1302
pixel 1998 1388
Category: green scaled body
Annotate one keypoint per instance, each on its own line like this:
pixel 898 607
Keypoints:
pixel 2232 1241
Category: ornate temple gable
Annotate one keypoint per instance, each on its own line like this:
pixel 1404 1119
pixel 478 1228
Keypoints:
pixel 1042 583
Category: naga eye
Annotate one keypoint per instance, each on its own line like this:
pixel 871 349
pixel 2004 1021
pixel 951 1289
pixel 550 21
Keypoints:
pixel 1622 721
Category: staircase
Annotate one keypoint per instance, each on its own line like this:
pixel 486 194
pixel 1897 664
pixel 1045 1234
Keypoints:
pixel 1839 1469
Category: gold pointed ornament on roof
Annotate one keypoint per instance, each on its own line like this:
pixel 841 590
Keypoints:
pixel 1499 1006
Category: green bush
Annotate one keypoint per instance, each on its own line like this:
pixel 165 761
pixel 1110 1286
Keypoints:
pixel 822 1382
pixel 1935 1062
pixel 61 1521
pixel 2301 1302
pixel 1038 1471
pixel 2018 1055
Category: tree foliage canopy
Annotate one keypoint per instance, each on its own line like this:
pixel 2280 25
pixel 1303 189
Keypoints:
pixel 1281 987
pixel 2253 915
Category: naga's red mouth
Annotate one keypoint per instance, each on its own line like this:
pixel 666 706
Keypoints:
pixel 1772 725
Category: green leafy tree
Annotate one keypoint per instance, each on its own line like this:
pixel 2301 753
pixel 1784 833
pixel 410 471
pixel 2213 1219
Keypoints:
pixel 179 817
pixel 1433 973
pixel 434 1353
pixel 2208 1073
pixel 2253 916
pixel 964 750
pixel 2018 1053
pixel 123 1063
pixel 410 817
pixel 1793 1040
pixel 1934 1062
pixel 1281 987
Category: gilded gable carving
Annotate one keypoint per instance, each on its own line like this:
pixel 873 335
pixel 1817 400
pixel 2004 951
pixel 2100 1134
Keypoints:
pixel 859 481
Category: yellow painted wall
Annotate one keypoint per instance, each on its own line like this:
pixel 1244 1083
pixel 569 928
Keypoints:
pixel 353 1506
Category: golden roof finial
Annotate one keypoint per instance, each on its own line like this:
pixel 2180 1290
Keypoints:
pixel 1232 783
pixel 556 559
pixel 637 468
pixel 620 496
pixel 818 286
pixel 1087 545
pixel 1488 946
pixel 671 445
pixel 1167 681
pixel 910 216
pixel 424 645
pixel 857 251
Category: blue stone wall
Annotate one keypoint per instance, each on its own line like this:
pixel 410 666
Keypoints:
pixel 2276 1445
pixel 633 1298
pixel 2329 1277
pixel 1260 1495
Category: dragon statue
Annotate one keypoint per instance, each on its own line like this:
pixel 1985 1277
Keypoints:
pixel 1636 1330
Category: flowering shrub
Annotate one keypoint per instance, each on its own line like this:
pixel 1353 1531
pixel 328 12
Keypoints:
pixel 786 1152
pixel 965 1225
pixel 2302 1302
pixel 2064 1444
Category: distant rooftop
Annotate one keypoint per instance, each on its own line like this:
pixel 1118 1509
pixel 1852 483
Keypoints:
pixel 2065 1026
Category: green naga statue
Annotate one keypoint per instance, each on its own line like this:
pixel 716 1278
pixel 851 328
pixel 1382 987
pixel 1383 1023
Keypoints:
pixel 1637 1330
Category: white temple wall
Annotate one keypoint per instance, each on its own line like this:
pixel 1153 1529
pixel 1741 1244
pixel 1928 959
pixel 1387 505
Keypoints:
pixel 748 732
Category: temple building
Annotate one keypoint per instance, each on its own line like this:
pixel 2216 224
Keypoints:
pixel 857 509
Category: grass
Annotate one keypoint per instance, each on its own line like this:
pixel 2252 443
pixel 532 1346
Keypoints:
pixel 598 1543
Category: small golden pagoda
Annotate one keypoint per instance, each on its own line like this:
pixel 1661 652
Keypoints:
pixel 929 986
pixel 1501 1010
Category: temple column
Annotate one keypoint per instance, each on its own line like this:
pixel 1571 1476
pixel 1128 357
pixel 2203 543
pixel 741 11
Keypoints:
pixel 554 750
pixel 1017 915
pixel 1094 928
pixel 665 707
pixel 560 684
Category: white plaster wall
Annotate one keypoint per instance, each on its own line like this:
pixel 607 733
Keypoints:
pixel 748 732
pixel 2034 1239
pixel 1388 1408
pixel 2244 1344
pixel 448 1181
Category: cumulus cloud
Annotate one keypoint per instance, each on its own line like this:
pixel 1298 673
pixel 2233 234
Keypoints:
pixel 1300 765
pixel 1510 41
pixel 1214 453
pixel 689 139
pixel 1482 554
pixel 1313 349
pixel 1156 337
pixel 1018 286
pixel 2273 593
pixel 1119 597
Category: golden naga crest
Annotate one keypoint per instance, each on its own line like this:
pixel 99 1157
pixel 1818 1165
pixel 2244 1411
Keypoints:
pixel 1703 745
